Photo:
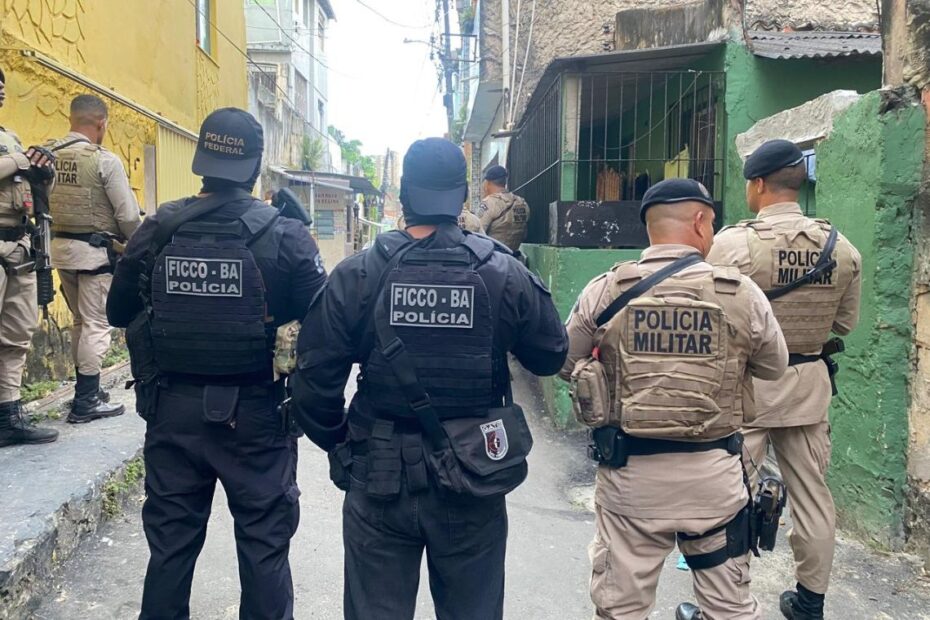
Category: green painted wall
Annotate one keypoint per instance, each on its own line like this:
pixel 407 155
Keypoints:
pixel 760 87
pixel 869 171
pixel 566 271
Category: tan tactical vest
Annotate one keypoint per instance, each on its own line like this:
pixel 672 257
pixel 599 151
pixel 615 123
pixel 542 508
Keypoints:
pixel 79 202
pixel 510 227
pixel 782 253
pixel 676 361
pixel 15 193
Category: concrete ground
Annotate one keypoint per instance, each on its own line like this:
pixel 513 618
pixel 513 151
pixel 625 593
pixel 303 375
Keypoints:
pixel 550 523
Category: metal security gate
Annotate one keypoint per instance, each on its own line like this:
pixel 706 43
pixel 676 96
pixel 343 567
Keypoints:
pixel 174 153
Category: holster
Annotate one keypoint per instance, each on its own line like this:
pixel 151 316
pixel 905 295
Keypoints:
pixel 608 447
pixel 739 541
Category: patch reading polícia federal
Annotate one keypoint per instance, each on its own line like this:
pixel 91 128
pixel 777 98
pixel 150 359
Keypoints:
pixel 789 265
pixel 674 330
pixel 432 305
pixel 203 277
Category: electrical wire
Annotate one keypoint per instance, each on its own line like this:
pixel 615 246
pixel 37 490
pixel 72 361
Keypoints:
pixel 258 68
pixel 391 21
pixel 526 57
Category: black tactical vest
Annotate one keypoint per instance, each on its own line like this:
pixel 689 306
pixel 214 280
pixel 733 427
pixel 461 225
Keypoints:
pixel 208 310
pixel 442 304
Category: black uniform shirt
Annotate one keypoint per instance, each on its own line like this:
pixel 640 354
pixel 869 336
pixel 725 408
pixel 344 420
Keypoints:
pixel 338 332
pixel 291 280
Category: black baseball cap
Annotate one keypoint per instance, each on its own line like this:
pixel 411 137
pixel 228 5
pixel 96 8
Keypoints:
pixel 671 191
pixel 230 146
pixel 771 157
pixel 434 178
pixel 496 174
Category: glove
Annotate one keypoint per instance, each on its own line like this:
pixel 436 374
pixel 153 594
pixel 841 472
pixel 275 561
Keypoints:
pixel 42 162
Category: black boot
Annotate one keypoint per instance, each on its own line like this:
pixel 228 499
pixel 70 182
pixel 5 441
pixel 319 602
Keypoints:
pixel 87 405
pixel 16 429
pixel 801 605
pixel 687 611
pixel 102 394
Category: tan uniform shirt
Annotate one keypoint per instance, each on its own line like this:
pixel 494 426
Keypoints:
pixel 802 395
pixel 12 164
pixel 664 486
pixel 75 254
pixel 504 217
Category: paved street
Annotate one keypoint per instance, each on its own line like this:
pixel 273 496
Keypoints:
pixel 551 525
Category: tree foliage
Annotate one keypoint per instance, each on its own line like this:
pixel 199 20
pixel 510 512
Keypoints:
pixel 352 155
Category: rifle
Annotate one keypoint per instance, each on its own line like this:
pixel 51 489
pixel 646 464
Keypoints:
pixel 41 240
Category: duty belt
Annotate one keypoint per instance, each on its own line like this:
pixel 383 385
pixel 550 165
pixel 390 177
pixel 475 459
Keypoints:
pixel 12 234
pixel 612 447
pixel 830 348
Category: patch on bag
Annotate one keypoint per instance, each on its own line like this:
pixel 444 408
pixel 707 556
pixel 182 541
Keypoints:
pixel 789 265
pixel 434 305
pixel 203 277
pixel 495 439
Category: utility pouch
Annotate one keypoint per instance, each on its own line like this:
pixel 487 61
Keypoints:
pixel 219 404
pixel 590 393
pixel 340 462
pixel 609 447
pixel 414 463
pixel 142 365
pixel 385 463
pixel 483 457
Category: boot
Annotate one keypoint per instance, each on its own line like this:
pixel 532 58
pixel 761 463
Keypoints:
pixel 801 605
pixel 16 429
pixel 687 611
pixel 87 405
pixel 102 394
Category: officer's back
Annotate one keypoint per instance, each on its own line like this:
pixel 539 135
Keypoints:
pixel 432 441
pixel 202 287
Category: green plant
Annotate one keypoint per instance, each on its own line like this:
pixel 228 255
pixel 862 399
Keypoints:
pixel 38 390
pixel 311 153
pixel 467 20
pixel 120 484
pixel 117 353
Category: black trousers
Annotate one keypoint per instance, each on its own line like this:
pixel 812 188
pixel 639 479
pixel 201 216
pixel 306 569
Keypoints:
pixel 465 542
pixel 257 464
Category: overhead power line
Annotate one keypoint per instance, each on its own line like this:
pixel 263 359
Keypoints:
pixel 391 21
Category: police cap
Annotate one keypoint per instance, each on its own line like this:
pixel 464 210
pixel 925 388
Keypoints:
pixel 434 180
pixel 671 191
pixel 229 147
pixel 496 174
pixel 771 157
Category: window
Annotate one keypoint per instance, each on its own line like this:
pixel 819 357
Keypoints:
pixel 204 30
pixel 321 30
pixel 306 14
pixel 321 109
pixel 301 86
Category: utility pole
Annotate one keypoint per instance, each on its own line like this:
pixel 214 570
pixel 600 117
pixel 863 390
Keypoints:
pixel 447 67
pixel 505 60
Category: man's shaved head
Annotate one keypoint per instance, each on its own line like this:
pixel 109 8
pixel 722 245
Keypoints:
pixel 88 109
pixel 684 223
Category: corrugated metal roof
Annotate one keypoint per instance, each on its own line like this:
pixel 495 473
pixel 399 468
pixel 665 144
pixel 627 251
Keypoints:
pixel 785 45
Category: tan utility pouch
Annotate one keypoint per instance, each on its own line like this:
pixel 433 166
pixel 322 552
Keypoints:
pixel 590 391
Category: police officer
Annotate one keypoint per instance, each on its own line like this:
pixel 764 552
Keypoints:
pixel 90 204
pixel 503 215
pixel 777 250
pixel 211 278
pixel 432 440
pixel 680 340
pixel 19 313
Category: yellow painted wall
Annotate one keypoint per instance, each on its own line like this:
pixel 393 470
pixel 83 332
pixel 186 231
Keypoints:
pixel 144 50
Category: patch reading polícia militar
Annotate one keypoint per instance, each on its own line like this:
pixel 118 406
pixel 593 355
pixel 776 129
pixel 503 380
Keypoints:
pixel 203 277
pixel 495 439
pixel 433 305
pixel 789 265
pixel 674 330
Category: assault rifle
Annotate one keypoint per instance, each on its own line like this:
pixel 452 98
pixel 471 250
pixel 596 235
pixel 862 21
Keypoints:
pixel 288 205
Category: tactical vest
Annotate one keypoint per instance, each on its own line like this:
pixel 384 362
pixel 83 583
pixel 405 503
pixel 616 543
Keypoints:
pixel 676 358
pixel 510 227
pixel 15 192
pixel 79 202
pixel 782 253
pixel 442 304
pixel 207 298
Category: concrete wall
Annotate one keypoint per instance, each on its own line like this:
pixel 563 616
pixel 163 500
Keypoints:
pixel 869 173
pixel 760 87
pixel 566 271
pixel 143 51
